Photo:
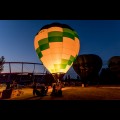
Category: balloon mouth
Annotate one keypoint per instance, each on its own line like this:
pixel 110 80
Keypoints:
pixel 58 76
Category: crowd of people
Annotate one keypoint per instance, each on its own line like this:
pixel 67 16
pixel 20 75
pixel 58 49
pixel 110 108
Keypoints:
pixel 43 89
pixel 38 90
pixel 11 89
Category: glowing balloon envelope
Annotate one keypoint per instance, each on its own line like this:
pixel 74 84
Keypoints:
pixel 57 46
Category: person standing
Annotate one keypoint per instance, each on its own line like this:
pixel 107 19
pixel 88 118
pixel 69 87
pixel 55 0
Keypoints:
pixel 34 86
pixel 7 85
pixel 53 90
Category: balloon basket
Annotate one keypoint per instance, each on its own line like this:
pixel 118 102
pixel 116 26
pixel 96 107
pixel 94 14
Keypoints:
pixel 58 76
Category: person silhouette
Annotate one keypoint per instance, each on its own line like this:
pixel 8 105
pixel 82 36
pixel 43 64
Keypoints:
pixel 34 86
pixel 53 90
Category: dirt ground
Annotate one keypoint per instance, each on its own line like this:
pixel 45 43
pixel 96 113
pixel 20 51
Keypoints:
pixel 74 93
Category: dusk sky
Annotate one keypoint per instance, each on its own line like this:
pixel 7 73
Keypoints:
pixel 101 37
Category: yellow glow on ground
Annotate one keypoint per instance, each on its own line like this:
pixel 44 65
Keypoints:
pixel 76 93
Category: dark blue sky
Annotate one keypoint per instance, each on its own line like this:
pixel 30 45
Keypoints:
pixel 101 37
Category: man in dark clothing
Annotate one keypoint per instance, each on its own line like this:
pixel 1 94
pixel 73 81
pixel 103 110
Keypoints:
pixel 53 90
pixel 8 85
pixel 34 88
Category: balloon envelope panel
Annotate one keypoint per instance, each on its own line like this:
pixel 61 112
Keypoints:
pixel 57 46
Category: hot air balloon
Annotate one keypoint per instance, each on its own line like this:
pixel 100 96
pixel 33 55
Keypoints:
pixel 87 66
pixel 114 65
pixel 57 46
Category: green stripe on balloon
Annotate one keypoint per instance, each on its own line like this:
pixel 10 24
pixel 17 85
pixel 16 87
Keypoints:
pixel 69 62
pixel 55 33
pixel 64 61
pixel 69 35
pixel 60 66
pixel 72 58
pixel 63 66
pixel 68 31
pixel 44 47
pixel 43 41
pixel 75 57
pixel 39 53
pixel 75 34
pixel 38 50
pixel 55 39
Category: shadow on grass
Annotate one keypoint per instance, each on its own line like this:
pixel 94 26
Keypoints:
pixel 34 98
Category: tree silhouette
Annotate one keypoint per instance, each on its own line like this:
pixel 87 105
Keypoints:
pixel 2 61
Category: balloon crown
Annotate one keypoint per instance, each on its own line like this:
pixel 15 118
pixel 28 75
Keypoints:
pixel 55 24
